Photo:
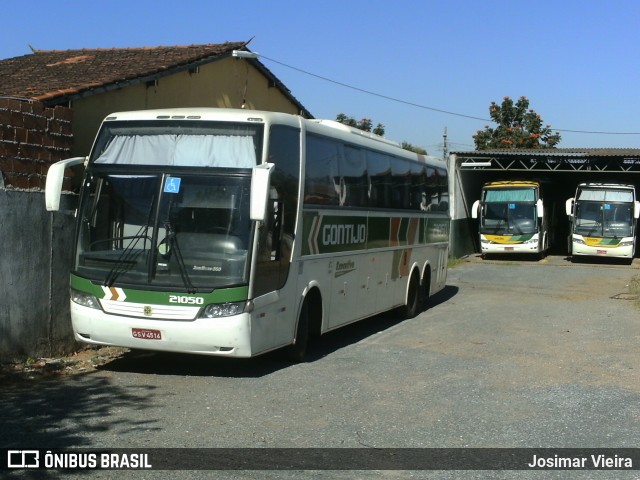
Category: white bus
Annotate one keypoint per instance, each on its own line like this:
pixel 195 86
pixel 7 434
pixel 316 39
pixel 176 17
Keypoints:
pixel 603 220
pixel 512 217
pixel 236 232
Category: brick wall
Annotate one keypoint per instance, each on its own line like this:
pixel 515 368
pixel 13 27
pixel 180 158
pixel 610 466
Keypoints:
pixel 32 137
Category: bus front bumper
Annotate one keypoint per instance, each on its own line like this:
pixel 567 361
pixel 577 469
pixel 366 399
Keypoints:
pixel 624 251
pixel 487 246
pixel 224 336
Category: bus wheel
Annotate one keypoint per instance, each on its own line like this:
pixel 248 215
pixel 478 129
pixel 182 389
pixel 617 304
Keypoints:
pixel 413 298
pixel 545 247
pixel 296 352
pixel 425 290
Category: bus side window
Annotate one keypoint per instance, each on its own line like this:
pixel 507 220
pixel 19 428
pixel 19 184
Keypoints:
pixel 353 173
pixel 322 179
pixel 379 172
pixel 401 178
pixel 443 190
pixel 418 187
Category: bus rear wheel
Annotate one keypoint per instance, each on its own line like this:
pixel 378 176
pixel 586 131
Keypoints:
pixel 410 309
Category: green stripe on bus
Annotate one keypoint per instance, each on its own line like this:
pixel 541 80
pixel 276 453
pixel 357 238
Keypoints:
pixel 222 295
pixel 601 242
pixel 339 233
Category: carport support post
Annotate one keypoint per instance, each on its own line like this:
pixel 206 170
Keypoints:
pixel 453 173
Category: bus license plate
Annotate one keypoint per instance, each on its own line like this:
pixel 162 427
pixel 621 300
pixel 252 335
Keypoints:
pixel 601 252
pixel 508 249
pixel 146 334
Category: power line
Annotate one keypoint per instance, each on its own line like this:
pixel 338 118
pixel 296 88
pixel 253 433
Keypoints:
pixel 368 92
pixel 425 107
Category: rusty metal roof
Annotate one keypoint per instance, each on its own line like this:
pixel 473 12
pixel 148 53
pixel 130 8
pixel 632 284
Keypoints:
pixel 554 152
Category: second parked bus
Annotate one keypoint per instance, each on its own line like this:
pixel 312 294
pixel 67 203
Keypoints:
pixel 603 219
pixel 513 218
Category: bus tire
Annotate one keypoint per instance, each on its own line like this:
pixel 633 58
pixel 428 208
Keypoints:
pixel 544 248
pixel 410 309
pixel 425 289
pixel 296 352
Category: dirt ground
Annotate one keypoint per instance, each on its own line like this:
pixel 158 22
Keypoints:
pixel 32 370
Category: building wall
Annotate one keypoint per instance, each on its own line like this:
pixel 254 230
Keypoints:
pixel 36 253
pixel 32 137
pixel 34 276
pixel 226 83
pixel 463 230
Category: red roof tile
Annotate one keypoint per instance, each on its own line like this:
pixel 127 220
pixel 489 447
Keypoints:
pixel 47 74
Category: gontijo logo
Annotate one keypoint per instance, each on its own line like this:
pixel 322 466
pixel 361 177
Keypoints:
pixel 336 234
pixel 346 234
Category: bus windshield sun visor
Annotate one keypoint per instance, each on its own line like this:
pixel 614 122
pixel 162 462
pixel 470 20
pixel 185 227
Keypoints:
pixel 233 151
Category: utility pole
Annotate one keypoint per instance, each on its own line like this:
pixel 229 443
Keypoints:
pixel 445 148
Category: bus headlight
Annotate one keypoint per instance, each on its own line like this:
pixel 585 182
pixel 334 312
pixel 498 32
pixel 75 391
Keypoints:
pixel 579 241
pixel 84 299
pixel 627 243
pixel 217 310
pixel 530 241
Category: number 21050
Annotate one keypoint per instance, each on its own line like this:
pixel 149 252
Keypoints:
pixel 186 300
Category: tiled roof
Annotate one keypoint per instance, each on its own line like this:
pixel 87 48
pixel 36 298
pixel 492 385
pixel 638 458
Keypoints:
pixel 46 74
pixel 52 76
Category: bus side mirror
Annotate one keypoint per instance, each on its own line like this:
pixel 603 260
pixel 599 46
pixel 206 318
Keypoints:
pixel 540 208
pixel 475 209
pixel 260 183
pixel 569 207
pixel 53 185
pixel 636 209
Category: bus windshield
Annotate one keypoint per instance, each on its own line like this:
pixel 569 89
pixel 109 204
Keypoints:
pixel 509 212
pixel 188 232
pixel 604 219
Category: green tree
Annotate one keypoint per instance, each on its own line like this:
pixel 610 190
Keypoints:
pixel 518 126
pixel 365 124
pixel 413 148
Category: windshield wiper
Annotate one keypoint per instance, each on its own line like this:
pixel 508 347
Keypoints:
pixel 127 258
pixel 172 244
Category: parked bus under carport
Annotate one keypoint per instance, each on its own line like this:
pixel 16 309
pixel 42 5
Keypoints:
pixel 561 170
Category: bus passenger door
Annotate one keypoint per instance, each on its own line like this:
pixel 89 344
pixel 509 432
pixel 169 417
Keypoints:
pixel 271 325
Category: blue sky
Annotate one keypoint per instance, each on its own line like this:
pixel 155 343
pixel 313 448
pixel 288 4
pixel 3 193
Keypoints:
pixel 576 60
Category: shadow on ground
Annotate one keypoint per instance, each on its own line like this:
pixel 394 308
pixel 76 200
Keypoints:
pixel 66 412
pixel 159 363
